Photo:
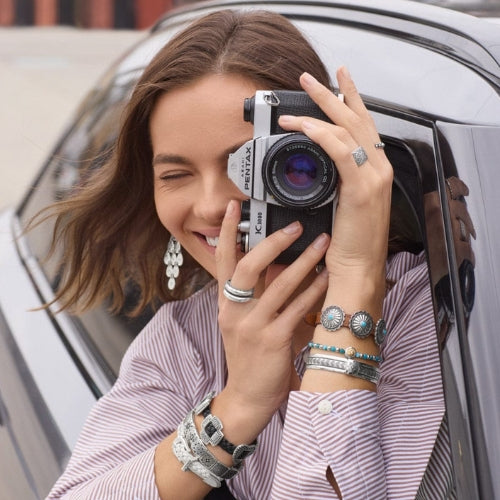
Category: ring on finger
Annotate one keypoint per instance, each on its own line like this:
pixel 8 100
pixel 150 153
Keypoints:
pixel 360 156
pixel 379 145
pixel 236 294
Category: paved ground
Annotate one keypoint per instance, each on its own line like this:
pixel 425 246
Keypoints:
pixel 44 73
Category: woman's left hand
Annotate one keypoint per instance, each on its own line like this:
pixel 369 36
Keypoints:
pixel 358 249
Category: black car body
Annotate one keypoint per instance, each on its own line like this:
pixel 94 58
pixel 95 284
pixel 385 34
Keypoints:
pixel 431 78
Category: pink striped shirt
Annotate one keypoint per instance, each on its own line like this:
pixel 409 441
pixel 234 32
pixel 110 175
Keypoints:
pixel 378 445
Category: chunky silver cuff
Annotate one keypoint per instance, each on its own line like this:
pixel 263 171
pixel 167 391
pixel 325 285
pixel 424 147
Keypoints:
pixel 204 456
pixel 191 463
pixel 336 364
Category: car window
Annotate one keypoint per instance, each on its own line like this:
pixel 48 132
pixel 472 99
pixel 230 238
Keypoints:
pixel 85 147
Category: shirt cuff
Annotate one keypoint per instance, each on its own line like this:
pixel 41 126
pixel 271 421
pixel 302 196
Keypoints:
pixel 337 430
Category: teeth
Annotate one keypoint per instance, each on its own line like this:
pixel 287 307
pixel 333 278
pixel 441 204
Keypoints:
pixel 212 241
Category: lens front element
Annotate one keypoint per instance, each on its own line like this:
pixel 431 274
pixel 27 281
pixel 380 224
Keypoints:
pixel 300 171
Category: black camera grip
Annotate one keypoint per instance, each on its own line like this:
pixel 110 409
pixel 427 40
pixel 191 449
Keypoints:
pixel 297 103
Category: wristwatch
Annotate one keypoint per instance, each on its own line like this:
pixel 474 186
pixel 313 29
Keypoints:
pixel 211 432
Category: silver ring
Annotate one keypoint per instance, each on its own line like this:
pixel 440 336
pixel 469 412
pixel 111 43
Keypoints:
pixel 379 145
pixel 236 294
pixel 360 156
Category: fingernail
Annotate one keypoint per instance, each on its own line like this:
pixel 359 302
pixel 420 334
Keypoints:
pixel 286 118
pixel 320 241
pixel 230 207
pixel 292 228
pixel 345 72
pixel 308 79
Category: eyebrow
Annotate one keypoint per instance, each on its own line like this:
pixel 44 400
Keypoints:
pixel 162 158
pixel 165 158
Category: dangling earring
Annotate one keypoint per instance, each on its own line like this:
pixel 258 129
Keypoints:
pixel 173 260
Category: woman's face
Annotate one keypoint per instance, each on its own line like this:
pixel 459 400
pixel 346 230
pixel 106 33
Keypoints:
pixel 193 130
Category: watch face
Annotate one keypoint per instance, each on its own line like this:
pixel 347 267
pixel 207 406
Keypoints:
pixel 332 318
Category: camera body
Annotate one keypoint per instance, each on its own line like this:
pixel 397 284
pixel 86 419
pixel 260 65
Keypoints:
pixel 286 176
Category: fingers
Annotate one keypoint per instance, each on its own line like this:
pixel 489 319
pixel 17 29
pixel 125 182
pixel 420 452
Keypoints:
pixel 225 254
pixel 303 303
pixel 252 265
pixel 290 279
pixel 352 127
pixel 350 115
pixel 246 273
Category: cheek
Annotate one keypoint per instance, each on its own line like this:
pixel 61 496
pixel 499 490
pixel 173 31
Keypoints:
pixel 165 209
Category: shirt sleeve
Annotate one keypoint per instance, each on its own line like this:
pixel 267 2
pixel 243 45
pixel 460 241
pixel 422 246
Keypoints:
pixel 114 455
pixel 377 445
pixel 156 387
pixel 337 430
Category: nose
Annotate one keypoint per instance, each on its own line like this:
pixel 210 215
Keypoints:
pixel 216 192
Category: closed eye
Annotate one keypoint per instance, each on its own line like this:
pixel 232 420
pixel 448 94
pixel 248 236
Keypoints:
pixel 173 176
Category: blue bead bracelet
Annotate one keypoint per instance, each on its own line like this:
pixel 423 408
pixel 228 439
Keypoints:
pixel 348 352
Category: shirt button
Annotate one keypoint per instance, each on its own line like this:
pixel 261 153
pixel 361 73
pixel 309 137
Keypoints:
pixel 325 407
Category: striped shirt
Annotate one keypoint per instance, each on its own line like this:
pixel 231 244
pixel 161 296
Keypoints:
pixel 378 445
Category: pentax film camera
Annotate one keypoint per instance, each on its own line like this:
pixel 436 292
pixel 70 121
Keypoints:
pixel 286 176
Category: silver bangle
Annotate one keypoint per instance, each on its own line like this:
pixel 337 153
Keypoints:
pixel 336 364
pixel 191 463
pixel 206 458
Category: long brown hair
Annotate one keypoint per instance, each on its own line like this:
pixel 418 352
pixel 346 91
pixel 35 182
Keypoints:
pixel 110 234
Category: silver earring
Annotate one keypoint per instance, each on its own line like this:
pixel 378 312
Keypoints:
pixel 173 259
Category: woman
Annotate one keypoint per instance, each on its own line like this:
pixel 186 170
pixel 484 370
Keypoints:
pixel 231 374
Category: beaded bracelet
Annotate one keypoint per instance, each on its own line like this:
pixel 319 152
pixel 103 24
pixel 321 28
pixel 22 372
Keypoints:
pixel 348 352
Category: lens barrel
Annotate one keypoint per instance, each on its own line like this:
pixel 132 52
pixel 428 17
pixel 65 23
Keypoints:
pixel 298 172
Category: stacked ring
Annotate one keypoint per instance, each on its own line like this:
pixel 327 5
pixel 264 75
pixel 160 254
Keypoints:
pixel 236 294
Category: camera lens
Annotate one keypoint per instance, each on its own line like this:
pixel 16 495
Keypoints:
pixel 298 172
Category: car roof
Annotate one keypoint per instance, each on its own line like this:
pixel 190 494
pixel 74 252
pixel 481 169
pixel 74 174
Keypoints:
pixel 458 35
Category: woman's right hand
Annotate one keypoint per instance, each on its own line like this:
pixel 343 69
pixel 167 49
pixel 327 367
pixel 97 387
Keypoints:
pixel 258 334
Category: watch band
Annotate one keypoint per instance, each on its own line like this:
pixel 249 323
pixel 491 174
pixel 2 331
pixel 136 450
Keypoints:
pixel 204 456
pixel 211 432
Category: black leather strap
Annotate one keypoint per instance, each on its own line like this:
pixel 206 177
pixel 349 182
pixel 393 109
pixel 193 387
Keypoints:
pixel 224 443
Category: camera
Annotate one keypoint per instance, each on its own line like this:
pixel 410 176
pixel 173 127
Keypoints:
pixel 286 176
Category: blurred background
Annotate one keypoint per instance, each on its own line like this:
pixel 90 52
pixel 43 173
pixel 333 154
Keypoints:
pixel 51 54
pixel 104 14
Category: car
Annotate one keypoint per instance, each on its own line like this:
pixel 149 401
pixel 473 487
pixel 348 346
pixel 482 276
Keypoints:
pixel 431 78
